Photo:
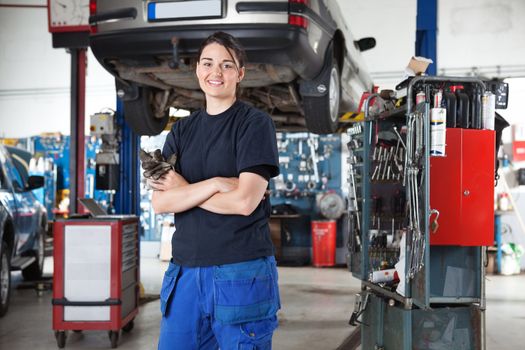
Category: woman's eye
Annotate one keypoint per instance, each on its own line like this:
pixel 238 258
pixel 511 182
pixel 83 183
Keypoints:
pixel 206 64
pixel 227 66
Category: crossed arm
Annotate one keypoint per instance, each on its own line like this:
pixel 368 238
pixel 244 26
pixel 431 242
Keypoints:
pixel 173 194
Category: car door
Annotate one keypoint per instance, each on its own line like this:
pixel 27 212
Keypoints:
pixel 23 210
pixel 7 198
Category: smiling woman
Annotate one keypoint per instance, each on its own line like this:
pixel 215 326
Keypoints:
pixel 219 76
pixel 222 268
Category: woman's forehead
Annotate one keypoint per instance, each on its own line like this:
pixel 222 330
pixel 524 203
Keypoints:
pixel 216 51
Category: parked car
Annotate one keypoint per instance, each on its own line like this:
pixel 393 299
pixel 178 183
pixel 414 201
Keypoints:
pixel 304 66
pixel 23 221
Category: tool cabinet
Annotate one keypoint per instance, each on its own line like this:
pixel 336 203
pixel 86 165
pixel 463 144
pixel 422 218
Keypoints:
pixel 420 214
pixel 96 275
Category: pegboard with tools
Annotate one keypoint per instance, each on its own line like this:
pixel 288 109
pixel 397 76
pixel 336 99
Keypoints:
pixel 309 187
pixel 310 179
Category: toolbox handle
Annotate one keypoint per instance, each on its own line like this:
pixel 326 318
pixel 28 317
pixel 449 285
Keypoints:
pixel 65 302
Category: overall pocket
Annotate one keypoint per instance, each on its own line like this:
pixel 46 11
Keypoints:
pixel 245 292
pixel 168 286
pixel 257 335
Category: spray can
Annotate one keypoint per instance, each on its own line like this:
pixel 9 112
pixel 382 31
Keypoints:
pixel 383 276
pixel 463 114
pixel 488 110
pixel 475 110
pixel 420 97
pixel 438 98
pixel 438 131
pixel 451 106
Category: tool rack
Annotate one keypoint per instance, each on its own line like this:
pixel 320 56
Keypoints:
pixel 419 223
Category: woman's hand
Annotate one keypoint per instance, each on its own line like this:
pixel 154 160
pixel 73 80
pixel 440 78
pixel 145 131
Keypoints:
pixel 226 184
pixel 170 180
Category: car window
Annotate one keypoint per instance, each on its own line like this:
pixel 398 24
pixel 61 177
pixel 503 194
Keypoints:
pixel 3 184
pixel 12 173
pixel 20 159
pixel 21 170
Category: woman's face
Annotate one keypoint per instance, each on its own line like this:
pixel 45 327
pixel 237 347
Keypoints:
pixel 218 72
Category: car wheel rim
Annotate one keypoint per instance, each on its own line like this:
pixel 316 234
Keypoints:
pixel 4 279
pixel 334 94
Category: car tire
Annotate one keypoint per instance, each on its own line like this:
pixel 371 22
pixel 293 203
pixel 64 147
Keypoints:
pixel 139 114
pixel 34 271
pixel 5 279
pixel 322 112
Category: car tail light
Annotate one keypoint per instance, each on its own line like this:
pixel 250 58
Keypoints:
pixel 295 19
pixel 93 11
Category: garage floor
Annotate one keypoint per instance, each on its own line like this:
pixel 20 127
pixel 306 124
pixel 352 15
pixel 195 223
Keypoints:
pixel 316 306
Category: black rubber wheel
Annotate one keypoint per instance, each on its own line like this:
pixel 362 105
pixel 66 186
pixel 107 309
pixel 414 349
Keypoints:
pixel 5 278
pixel 77 330
pixel 139 114
pixel 34 271
pixel 113 338
pixel 61 339
pixel 129 326
pixel 322 112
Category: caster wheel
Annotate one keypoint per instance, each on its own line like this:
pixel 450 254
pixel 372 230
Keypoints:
pixel 128 327
pixel 77 330
pixel 61 339
pixel 113 338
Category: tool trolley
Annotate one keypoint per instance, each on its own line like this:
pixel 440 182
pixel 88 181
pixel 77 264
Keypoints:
pixel 96 276
pixel 421 212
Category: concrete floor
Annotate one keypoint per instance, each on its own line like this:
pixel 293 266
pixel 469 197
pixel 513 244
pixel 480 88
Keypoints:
pixel 316 307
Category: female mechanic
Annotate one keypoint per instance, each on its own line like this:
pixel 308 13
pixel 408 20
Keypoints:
pixel 220 289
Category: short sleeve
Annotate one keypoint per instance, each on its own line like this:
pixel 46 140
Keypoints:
pixel 172 142
pixel 257 144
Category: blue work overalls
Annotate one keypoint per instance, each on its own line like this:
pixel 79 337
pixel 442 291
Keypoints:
pixel 229 306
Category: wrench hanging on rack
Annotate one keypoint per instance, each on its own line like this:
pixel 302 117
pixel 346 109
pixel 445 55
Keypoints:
pixel 413 166
pixel 353 193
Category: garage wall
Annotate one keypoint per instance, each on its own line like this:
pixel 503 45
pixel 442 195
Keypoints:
pixel 473 35
pixel 35 78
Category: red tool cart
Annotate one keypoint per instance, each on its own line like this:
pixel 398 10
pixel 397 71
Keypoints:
pixel 96 275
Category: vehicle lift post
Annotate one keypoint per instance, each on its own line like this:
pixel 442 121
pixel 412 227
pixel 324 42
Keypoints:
pixel 77 166
pixel 127 199
pixel 426 32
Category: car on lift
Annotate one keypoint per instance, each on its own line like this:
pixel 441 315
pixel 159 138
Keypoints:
pixel 23 221
pixel 304 67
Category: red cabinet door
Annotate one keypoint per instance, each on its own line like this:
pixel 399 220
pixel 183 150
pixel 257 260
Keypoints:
pixel 462 189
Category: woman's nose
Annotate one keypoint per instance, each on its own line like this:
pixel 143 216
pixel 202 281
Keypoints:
pixel 217 70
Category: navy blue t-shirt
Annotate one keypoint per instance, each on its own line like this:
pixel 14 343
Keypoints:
pixel 222 145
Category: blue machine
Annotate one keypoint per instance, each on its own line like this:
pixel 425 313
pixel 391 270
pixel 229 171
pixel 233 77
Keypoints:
pixel 53 151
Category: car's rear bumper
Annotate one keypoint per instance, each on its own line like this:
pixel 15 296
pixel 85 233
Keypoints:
pixel 279 44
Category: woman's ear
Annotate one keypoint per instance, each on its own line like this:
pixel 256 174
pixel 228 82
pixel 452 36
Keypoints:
pixel 241 74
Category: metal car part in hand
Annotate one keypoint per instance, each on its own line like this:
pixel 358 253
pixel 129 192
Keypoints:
pixel 158 171
pixel 155 165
